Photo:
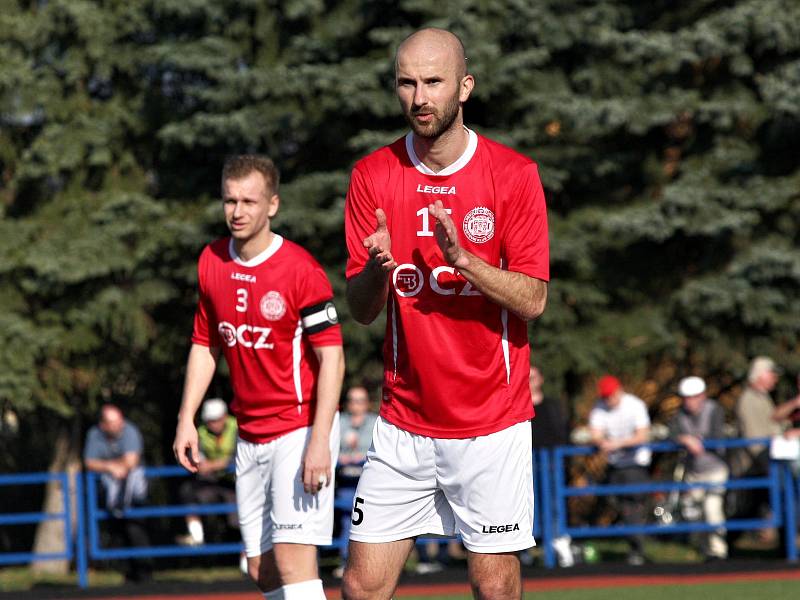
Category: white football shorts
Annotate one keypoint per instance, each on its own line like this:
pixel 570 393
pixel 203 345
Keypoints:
pixel 272 505
pixel 480 488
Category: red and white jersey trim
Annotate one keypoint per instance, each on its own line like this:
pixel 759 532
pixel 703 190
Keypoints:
pixel 274 246
pixel 459 164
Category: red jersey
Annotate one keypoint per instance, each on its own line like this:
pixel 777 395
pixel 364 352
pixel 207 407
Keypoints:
pixel 267 314
pixel 456 365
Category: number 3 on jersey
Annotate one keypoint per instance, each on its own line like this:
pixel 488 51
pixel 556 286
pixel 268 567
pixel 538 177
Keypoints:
pixel 241 300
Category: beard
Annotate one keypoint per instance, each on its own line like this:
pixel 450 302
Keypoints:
pixel 442 119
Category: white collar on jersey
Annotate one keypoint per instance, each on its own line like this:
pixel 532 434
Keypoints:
pixel 274 245
pixel 461 162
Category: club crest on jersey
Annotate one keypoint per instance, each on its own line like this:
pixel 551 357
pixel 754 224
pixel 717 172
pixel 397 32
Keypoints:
pixel 479 225
pixel 272 306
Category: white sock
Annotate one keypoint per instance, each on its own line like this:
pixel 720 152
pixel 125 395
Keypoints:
pixel 196 531
pixel 304 590
pixel 274 595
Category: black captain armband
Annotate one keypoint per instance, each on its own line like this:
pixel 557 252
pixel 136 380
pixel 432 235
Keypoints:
pixel 318 317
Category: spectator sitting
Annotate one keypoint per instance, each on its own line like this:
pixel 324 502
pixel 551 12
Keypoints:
pixel 214 482
pixel 356 432
pixel 701 418
pixel 114 450
pixel 619 422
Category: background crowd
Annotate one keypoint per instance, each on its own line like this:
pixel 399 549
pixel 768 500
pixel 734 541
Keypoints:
pixel 619 423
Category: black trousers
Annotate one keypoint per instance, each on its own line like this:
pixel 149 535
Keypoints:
pixel 632 507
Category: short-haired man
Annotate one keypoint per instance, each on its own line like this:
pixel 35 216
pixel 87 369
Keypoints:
pixel 267 305
pixel 755 410
pixel 449 228
pixel 619 423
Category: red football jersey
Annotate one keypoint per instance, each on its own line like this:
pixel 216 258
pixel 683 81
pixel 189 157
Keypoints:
pixel 266 314
pixel 455 364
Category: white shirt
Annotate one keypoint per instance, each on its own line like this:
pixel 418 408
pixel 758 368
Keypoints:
pixel 622 422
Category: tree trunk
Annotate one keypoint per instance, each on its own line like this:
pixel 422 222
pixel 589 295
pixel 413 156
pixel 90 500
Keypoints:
pixel 50 535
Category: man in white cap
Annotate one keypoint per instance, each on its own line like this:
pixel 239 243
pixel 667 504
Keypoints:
pixel 214 482
pixel 699 419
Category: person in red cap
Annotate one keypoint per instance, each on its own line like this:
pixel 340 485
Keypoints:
pixel 619 424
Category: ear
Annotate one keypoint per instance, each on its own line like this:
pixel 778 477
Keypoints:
pixel 465 87
pixel 273 204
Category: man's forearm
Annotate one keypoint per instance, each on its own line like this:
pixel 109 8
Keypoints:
pixel 101 465
pixel 367 293
pixel 200 368
pixel 329 387
pixel 523 295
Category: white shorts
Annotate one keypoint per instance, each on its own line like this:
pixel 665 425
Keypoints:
pixel 272 505
pixel 480 488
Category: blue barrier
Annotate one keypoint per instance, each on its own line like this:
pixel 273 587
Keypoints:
pixel 550 490
pixel 96 514
pixel 11 558
pixel 778 480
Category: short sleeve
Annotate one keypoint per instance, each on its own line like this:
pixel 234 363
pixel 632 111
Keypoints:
pixel 641 418
pixel 318 315
pixel 131 440
pixel 596 419
pixel 92 449
pixel 202 333
pixel 359 221
pixel 526 247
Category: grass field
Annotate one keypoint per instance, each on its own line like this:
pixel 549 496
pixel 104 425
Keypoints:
pixel 751 590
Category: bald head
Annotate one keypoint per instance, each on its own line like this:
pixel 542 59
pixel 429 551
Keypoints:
pixel 112 422
pixel 437 45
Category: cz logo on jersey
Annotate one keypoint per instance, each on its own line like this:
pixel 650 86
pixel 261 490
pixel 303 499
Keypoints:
pixel 479 225
pixel 408 281
pixel 246 335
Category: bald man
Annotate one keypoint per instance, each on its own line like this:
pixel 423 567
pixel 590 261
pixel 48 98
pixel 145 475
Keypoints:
pixel 114 449
pixel 447 230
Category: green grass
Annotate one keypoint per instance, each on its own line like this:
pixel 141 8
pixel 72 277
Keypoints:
pixel 768 590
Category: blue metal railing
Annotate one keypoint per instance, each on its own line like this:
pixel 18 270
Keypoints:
pixel 97 514
pixel 778 483
pixel 551 509
pixel 68 553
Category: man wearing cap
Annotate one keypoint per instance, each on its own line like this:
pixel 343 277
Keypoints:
pixel 214 482
pixel 701 418
pixel 619 423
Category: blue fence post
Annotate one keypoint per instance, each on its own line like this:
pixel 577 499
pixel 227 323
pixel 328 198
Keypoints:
pixel 66 506
pixel 775 495
pixel 790 507
pixel 547 508
pixel 556 477
pixel 91 514
pixel 81 561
